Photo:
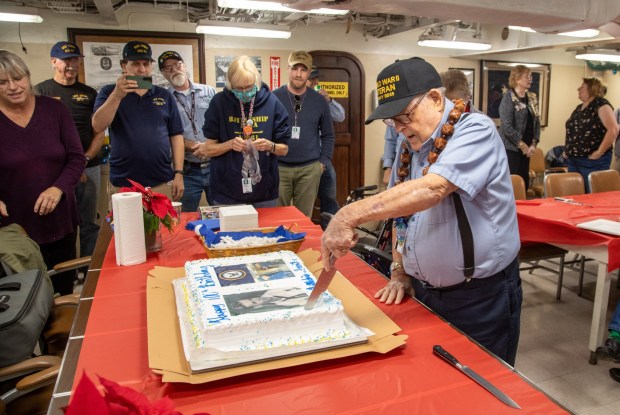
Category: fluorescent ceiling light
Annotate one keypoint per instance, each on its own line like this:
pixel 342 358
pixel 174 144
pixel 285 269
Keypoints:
pixel 20 14
pixel 599 55
pixel 432 41
pixel 241 29
pixel 581 33
pixel 574 33
pixel 522 29
pixel 273 6
pixel 527 65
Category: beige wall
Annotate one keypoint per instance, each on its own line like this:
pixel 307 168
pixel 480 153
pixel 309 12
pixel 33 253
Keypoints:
pixel 374 54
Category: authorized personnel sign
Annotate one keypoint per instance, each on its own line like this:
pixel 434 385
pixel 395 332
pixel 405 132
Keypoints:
pixel 336 89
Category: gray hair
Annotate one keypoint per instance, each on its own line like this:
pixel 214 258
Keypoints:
pixel 242 70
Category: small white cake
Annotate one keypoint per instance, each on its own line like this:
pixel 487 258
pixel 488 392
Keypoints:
pixel 242 309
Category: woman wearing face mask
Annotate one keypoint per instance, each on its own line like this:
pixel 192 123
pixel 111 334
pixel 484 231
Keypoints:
pixel 246 128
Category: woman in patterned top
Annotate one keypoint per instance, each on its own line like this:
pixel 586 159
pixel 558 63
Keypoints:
pixel 590 131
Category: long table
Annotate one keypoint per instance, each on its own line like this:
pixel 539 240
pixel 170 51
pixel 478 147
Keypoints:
pixel 110 340
pixel 554 222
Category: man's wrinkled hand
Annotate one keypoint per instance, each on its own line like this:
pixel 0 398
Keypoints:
pixel 397 289
pixel 47 201
pixel 337 239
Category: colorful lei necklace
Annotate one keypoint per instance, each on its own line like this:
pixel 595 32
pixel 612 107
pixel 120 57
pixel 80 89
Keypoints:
pixel 438 145
pixel 246 125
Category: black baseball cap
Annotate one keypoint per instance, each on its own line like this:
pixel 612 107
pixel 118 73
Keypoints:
pixel 169 54
pixel 65 50
pixel 136 49
pixel 401 81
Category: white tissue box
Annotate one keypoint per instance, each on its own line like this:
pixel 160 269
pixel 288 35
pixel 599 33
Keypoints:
pixel 234 218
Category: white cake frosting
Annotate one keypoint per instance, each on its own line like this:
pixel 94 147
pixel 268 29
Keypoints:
pixel 240 309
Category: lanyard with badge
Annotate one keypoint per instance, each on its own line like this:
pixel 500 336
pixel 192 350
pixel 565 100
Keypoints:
pixel 247 128
pixel 190 114
pixel 296 131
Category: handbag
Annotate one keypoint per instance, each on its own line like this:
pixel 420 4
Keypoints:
pixel 26 301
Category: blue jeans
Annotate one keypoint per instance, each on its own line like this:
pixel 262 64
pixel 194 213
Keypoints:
pixel 487 311
pixel 196 180
pixel 87 195
pixel 614 324
pixel 585 166
pixel 327 193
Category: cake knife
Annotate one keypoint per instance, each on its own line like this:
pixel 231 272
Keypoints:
pixel 322 283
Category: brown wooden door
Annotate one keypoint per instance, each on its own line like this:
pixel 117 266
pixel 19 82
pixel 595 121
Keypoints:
pixel 348 156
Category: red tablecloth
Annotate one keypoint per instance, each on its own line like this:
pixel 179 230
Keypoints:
pixel 547 220
pixel 408 380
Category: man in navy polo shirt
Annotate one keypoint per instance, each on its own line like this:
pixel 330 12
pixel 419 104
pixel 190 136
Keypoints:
pixel 66 58
pixel 145 128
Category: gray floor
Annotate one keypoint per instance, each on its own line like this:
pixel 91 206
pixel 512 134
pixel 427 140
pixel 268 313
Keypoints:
pixel 553 349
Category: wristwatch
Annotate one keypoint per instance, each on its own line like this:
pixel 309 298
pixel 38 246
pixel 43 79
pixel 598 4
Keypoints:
pixel 395 266
pixel 181 172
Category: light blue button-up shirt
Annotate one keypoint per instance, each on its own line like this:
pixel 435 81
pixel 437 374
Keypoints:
pixel 202 98
pixel 475 161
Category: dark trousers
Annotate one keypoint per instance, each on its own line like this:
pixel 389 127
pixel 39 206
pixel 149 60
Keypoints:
pixel 56 252
pixel 519 164
pixel 488 310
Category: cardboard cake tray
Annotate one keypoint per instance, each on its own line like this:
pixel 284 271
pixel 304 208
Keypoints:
pixel 165 347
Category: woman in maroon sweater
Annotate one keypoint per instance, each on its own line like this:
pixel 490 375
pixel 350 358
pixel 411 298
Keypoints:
pixel 41 161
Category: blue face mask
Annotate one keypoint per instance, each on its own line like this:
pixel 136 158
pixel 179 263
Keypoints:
pixel 245 96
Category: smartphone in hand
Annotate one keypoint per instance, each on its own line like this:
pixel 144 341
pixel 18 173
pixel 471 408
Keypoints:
pixel 144 82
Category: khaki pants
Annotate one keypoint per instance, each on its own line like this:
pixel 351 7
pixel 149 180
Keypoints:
pixel 165 188
pixel 300 186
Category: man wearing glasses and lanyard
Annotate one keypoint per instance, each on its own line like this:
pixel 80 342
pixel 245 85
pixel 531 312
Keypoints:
pixel 192 100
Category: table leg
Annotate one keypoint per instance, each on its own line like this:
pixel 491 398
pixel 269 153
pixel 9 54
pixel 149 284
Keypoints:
pixel 599 314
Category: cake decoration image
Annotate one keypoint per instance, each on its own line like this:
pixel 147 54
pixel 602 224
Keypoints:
pixel 265 301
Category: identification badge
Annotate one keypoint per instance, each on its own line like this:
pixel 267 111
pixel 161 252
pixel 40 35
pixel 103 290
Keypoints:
pixel 296 133
pixel 246 184
pixel 401 234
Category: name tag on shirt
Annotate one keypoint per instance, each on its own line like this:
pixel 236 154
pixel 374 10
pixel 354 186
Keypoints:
pixel 246 184
pixel 296 133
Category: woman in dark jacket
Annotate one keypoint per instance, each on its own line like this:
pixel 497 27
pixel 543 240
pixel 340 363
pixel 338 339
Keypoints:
pixel 246 128
pixel 520 122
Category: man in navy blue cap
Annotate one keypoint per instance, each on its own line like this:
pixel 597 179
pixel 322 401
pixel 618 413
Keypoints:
pixel 454 212
pixel 66 58
pixel 146 131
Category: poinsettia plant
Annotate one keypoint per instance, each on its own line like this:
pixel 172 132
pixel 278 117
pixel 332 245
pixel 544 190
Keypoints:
pixel 156 206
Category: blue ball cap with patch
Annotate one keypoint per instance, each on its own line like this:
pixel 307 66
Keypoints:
pixel 65 50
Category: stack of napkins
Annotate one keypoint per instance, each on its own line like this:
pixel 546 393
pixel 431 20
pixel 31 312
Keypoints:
pixel 234 218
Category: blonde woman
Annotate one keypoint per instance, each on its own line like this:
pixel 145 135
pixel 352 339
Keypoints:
pixel 246 128
pixel 520 122
pixel 41 161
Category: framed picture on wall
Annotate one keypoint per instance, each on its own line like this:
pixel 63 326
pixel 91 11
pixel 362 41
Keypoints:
pixel 102 50
pixel 495 83
pixel 470 73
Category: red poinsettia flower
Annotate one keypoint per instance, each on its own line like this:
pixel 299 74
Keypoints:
pixel 157 207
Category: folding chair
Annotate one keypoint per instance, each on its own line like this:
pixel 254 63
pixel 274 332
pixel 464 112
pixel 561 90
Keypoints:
pixel 532 253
